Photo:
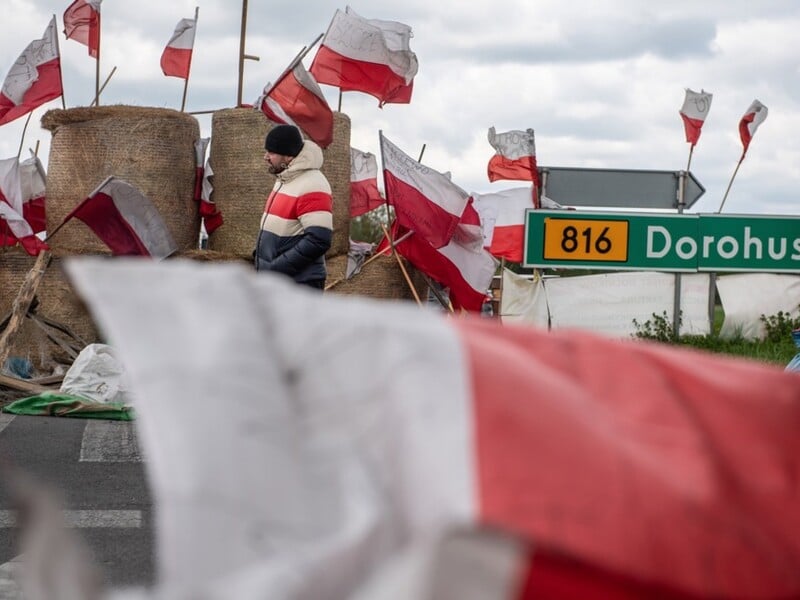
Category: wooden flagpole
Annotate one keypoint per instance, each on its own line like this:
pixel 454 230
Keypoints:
pixel 401 265
pixel 22 137
pixel 186 81
pixel 297 58
pixel 242 55
pixel 97 62
pixel 96 101
pixel 60 74
pixel 383 252
pixel 736 170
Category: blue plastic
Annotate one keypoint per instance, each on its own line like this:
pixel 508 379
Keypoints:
pixel 794 364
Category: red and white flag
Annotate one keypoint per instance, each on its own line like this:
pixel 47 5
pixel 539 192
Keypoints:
pixel 503 218
pixel 203 188
pixel 752 119
pixel 13 225
pixel 694 112
pixel 424 200
pixel 126 220
pixel 515 156
pixel 367 55
pixel 35 77
pixel 676 480
pixel 364 193
pixel 298 100
pixel 33 181
pixel 82 24
pixel 176 60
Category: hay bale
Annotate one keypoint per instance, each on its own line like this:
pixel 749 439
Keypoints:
pixel 57 301
pixel 242 182
pixel 151 148
pixel 381 278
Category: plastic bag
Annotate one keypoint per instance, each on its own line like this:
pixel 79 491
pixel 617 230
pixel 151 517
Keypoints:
pixel 97 374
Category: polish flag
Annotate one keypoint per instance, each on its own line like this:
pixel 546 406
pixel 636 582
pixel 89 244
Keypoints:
pixel 367 55
pixel 125 219
pixel 676 480
pixel 425 200
pixel 33 181
pixel 176 60
pixel 751 121
pixel 203 187
pixel 13 225
pixel 35 78
pixel 515 156
pixel 364 193
pixel 694 112
pixel 82 24
pixel 503 216
pixel 298 100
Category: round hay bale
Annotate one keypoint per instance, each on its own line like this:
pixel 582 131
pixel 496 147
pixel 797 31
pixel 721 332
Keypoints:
pixel 241 180
pixel 381 278
pixel 150 148
pixel 57 302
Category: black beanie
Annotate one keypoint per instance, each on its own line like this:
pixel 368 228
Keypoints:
pixel 285 140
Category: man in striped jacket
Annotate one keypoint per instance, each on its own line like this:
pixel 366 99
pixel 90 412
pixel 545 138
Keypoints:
pixel 297 225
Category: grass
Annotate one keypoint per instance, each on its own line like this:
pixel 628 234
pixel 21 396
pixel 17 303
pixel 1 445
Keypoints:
pixel 777 348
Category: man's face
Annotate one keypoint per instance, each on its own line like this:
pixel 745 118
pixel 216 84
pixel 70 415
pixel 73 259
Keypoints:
pixel 276 163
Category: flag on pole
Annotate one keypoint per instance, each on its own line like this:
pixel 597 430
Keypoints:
pixel 515 156
pixel 82 24
pixel 13 225
pixel 678 480
pixel 33 181
pixel 298 100
pixel 694 112
pixel 126 220
pixel 503 218
pixel 752 119
pixel 35 77
pixel 364 193
pixel 176 60
pixel 203 188
pixel 367 55
pixel 425 201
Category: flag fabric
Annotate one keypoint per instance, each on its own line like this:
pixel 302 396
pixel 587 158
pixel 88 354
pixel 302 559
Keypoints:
pixel 35 77
pixel 82 24
pixel 515 156
pixel 367 55
pixel 33 181
pixel 176 59
pixel 13 225
pixel 503 218
pixel 424 200
pixel 364 193
pixel 126 220
pixel 678 480
pixel 694 112
pixel 298 100
pixel 203 188
pixel 752 119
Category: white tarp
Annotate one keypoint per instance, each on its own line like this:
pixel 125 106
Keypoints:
pixel 747 296
pixel 608 303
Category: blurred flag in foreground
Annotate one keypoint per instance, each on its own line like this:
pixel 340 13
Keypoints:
pixel 126 220
pixel 35 77
pixel 694 112
pixel 753 117
pixel 677 480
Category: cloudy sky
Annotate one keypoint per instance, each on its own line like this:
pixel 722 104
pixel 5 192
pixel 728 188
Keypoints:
pixel 600 83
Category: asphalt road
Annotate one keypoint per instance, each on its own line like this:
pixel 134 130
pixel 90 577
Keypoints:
pixel 98 469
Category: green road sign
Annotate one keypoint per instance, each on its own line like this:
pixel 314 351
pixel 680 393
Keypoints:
pixel 658 242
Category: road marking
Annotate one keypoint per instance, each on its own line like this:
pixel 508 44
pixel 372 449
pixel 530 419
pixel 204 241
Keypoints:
pixel 86 519
pixel 9 575
pixel 5 419
pixel 109 441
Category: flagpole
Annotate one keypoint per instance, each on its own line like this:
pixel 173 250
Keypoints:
pixel 383 252
pixel 297 58
pixel 736 170
pixel 421 152
pixel 22 138
pixel 401 265
pixel 96 101
pixel 97 63
pixel 186 81
pixel 60 74
pixel 242 55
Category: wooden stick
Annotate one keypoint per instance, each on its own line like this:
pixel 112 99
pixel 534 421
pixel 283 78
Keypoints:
pixel 22 137
pixel 22 303
pixel 383 252
pixel 96 101
pixel 402 266
pixel 242 35
pixel 736 170
pixel 186 81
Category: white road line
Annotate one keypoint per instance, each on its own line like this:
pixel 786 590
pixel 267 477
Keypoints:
pixel 9 575
pixel 109 441
pixel 86 519
pixel 5 419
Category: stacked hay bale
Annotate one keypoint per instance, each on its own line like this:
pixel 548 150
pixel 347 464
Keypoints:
pixel 381 278
pixel 150 148
pixel 242 182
